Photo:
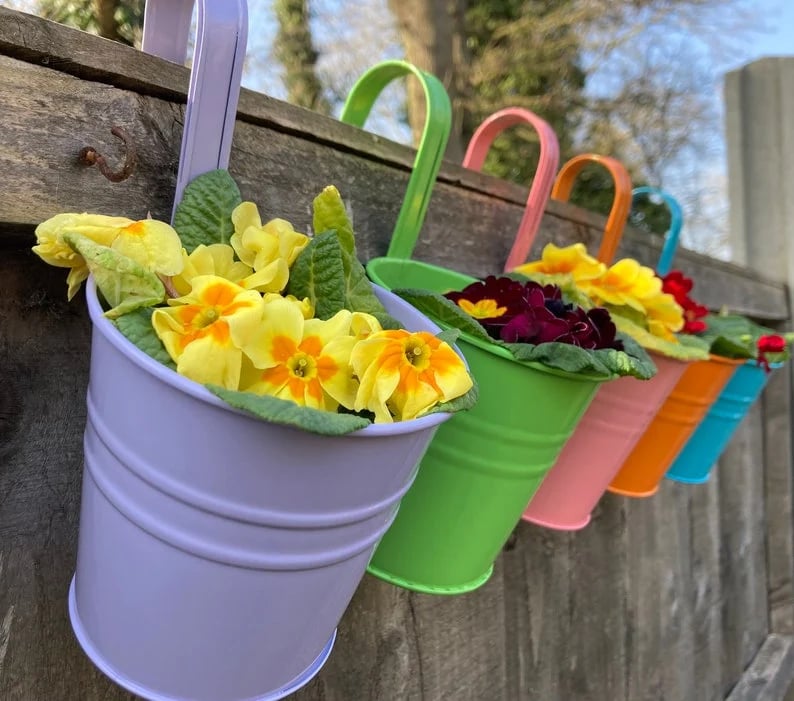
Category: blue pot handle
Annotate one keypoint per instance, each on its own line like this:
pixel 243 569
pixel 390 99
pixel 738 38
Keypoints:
pixel 673 233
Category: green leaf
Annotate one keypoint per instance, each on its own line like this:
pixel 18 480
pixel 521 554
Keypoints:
pixel 330 213
pixel 686 348
pixel 562 356
pixel 318 273
pixel 387 321
pixel 124 283
pixel 462 403
pixel 449 336
pixel 204 216
pixel 728 348
pixel 137 328
pixel 735 336
pixel 333 279
pixel 444 311
pixel 286 413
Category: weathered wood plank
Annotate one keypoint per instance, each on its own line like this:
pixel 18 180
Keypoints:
pixel 745 616
pixel 778 490
pixel 771 674
pixel 707 589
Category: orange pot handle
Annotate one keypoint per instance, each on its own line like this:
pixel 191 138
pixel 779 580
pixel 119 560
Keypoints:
pixel 548 161
pixel 621 204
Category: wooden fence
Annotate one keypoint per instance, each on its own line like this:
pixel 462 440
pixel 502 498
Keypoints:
pixel 686 596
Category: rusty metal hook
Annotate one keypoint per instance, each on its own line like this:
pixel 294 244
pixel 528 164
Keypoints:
pixel 90 156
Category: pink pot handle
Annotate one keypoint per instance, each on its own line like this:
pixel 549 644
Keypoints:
pixel 621 204
pixel 544 174
pixel 214 81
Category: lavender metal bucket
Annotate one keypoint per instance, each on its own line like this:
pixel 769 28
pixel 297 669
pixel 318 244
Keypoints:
pixel 217 552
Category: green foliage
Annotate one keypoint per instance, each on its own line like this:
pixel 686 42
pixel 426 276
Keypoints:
pixel 736 336
pixel 286 413
pixel 137 328
pixel 333 279
pixel 204 216
pixel 124 283
pixel 120 20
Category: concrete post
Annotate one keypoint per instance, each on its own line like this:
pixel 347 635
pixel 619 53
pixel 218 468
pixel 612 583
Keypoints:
pixel 759 102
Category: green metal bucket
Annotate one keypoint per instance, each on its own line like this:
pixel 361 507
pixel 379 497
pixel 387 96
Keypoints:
pixel 484 465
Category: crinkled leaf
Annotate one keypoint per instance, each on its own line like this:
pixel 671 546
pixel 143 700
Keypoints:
pixel 736 336
pixel 562 356
pixel 684 348
pixel 318 273
pixel 359 295
pixel 444 311
pixel 286 413
pixel 204 216
pixel 643 367
pixel 330 213
pixel 333 279
pixel 462 403
pixel 137 328
pixel 124 283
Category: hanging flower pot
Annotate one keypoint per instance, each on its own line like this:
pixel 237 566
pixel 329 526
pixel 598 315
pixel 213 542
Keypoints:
pixel 239 466
pixel 621 410
pixel 217 552
pixel 712 436
pixel 695 425
pixel 256 410
pixel 761 351
pixel 476 478
pixel 679 416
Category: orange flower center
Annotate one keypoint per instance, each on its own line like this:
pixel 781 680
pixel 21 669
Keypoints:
pixel 484 309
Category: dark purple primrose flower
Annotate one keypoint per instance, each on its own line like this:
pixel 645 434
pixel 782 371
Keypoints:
pixel 493 301
pixel 527 312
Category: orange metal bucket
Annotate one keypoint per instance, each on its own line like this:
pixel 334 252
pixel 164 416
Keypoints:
pixel 691 398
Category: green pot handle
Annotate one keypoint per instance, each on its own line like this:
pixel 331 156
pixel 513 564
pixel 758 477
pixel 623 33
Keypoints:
pixel 431 148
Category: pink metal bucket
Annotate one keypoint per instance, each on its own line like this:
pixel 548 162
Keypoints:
pixel 605 437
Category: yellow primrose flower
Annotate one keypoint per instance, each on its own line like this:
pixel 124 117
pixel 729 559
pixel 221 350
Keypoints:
pixel 624 283
pixel 665 316
pixel 153 244
pixel 305 361
pixel 571 263
pixel 270 249
pixel 51 247
pixel 363 325
pixel 304 305
pixel 204 330
pixel 405 374
pixel 216 259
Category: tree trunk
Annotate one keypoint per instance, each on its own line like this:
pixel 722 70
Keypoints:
pixel 106 19
pixel 295 50
pixel 432 32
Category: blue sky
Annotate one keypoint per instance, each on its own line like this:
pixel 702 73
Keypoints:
pixel 778 40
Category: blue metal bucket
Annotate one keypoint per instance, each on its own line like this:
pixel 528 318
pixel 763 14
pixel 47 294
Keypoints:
pixel 710 439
